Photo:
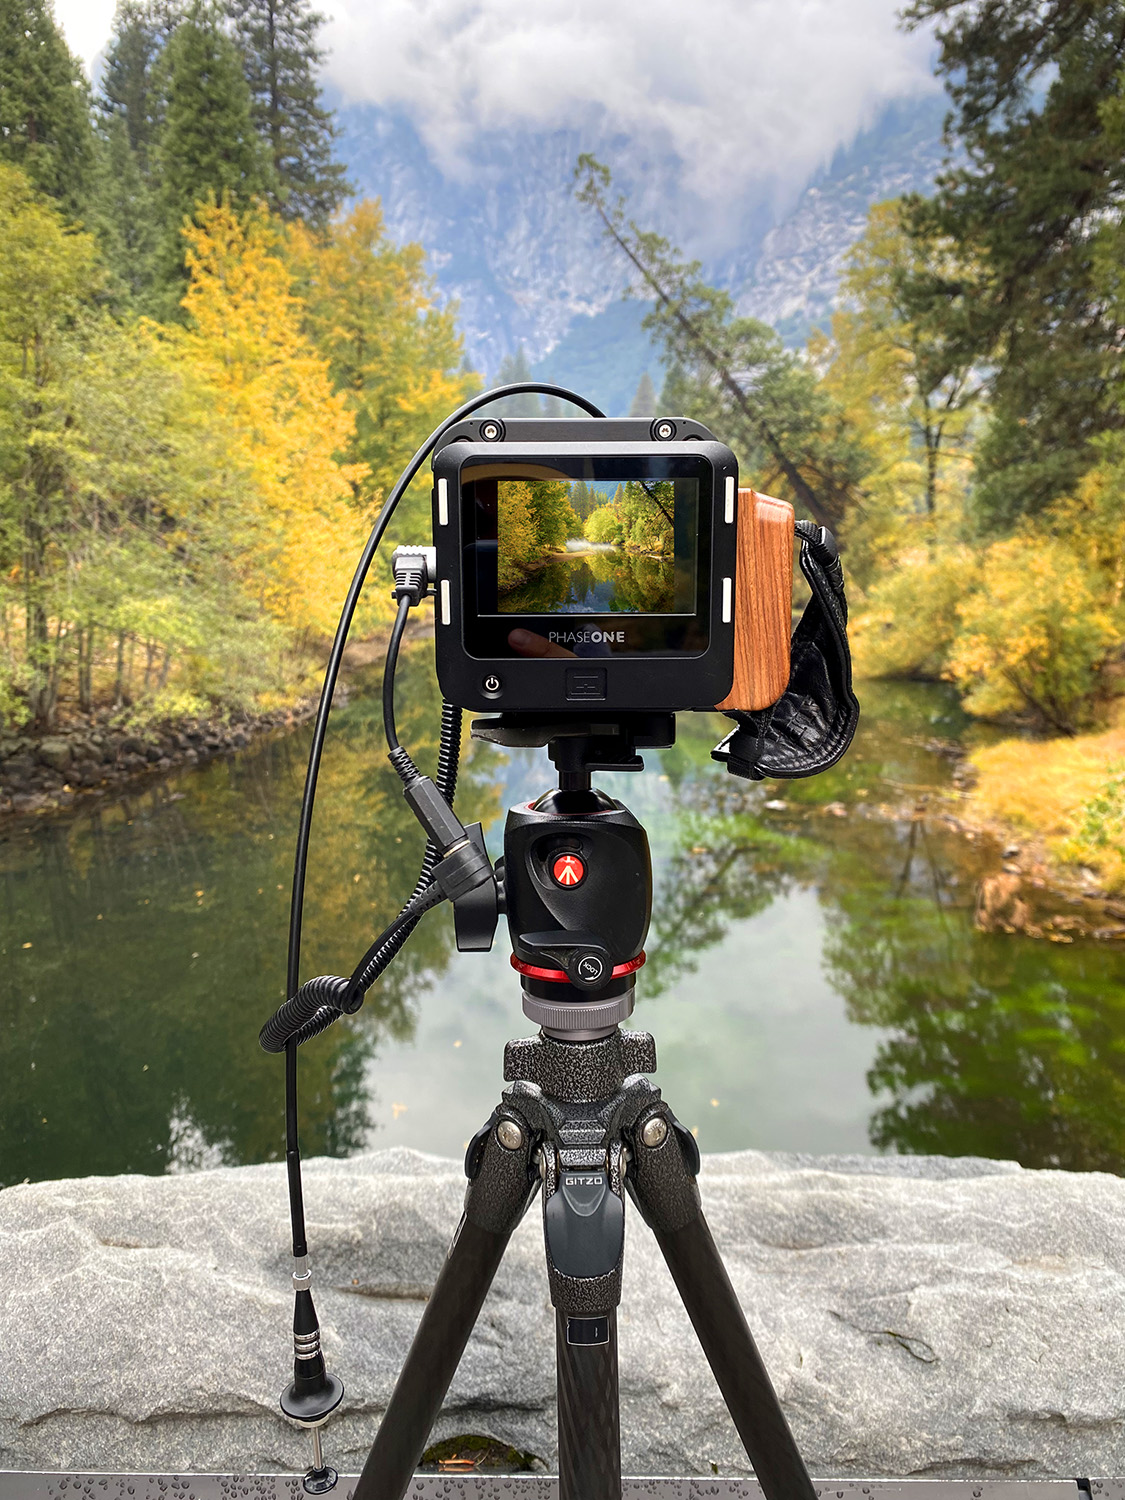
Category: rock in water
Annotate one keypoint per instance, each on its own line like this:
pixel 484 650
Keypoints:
pixel 919 1316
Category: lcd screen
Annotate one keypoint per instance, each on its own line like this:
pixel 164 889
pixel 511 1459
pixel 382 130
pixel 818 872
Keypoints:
pixel 619 542
pixel 572 547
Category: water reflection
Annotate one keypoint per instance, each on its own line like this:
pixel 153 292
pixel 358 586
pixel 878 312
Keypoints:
pixel 597 581
pixel 815 981
pixel 144 945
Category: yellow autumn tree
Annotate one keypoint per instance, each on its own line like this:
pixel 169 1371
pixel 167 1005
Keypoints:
pixel 296 531
pixel 393 352
pixel 905 393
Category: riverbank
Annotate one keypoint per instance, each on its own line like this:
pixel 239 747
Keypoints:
pixel 90 755
pixel 1056 810
pixel 1067 794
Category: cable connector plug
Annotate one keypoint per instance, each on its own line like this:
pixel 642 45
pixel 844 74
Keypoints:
pixel 441 823
pixel 464 869
pixel 415 570
pixel 313 1394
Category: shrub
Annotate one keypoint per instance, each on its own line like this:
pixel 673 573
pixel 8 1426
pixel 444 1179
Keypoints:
pixel 1034 635
pixel 910 617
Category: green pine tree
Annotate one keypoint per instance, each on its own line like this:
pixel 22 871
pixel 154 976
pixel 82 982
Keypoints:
pixel 126 215
pixel 1031 89
pixel 129 83
pixel 280 58
pixel 207 147
pixel 45 124
pixel 514 368
pixel 733 373
pixel 129 208
pixel 644 402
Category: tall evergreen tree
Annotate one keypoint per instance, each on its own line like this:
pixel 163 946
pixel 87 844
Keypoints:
pixel 44 104
pixel 1030 87
pixel 644 401
pixel 733 373
pixel 280 58
pixel 129 84
pixel 207 148
pixel 513 369
pixel 127 217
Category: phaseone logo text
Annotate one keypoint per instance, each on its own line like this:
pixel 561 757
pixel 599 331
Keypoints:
pixel 587 637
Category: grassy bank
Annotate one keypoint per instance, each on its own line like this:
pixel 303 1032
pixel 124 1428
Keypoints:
pixel 1067 794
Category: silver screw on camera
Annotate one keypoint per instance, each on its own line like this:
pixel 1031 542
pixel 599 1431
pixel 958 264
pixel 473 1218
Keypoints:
pixel 664 431
pixel 491 432
pixel 509 1135
pixel 654 1131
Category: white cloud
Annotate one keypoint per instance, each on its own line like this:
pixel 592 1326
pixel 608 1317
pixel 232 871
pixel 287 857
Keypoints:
pixel 740 91
pixel 86 25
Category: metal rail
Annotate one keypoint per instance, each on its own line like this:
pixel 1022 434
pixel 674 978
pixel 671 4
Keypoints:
pixel 43 1485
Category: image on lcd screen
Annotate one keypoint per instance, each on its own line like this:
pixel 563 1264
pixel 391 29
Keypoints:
pixel 595 547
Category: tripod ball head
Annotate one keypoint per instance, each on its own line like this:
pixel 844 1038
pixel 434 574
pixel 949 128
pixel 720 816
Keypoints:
pixel 578 893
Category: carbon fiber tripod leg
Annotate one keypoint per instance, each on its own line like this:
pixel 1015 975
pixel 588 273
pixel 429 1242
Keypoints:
pixel 589 1414
pixel 499 1192
pixel 663 1187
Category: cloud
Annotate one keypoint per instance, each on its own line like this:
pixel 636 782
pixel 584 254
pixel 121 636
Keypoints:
pixel 86 25
pixel 739 92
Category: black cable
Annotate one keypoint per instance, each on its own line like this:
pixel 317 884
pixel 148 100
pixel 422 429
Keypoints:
pixel 321 1001
pixel 404 606
pixel 316 748
pixel 293 1154
pixel 335 656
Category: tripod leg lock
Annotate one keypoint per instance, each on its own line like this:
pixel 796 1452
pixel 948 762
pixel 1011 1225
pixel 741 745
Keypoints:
pixel 503 1177
pixel 585 1225
pixel 661 1175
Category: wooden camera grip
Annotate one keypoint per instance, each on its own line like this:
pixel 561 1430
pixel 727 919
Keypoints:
pixel 763 601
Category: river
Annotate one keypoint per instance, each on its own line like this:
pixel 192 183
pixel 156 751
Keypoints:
pixel 815 980
pixel 595 579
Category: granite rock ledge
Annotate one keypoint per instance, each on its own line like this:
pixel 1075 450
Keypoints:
pixel 922 1317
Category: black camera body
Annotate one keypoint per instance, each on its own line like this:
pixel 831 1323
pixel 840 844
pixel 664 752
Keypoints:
pixel 584 565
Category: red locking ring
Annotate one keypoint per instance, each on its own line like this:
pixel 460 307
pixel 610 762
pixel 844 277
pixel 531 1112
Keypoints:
pixel 560 976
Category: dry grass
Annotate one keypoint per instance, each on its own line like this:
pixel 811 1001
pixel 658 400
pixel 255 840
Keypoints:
pixel 1040 788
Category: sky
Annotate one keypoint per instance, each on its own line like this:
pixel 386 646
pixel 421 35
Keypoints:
pixel 736 91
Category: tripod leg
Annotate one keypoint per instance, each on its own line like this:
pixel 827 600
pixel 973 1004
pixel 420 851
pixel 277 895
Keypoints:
pixel 584 1224
pixel 664 1190
pixel 499 1192
pixel 589 1415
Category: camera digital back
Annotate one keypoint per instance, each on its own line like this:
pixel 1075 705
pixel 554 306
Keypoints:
pixel 585 564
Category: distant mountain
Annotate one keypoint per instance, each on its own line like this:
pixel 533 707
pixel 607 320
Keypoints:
pixel 506 238
pixel 791 282
pixel 527 264
pixel 603 356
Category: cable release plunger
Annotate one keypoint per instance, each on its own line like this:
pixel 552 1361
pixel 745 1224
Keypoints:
pixel 313 1394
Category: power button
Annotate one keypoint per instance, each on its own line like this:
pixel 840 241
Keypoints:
pixel 492 686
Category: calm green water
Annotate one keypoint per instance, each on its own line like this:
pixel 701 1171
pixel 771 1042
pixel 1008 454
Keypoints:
pixel 815 980
pixel 607 581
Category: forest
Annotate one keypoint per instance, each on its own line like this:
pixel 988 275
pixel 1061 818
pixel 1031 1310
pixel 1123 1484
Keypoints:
pixel 213 363
pixel 639 518
pixel 534 518
pixel 959 424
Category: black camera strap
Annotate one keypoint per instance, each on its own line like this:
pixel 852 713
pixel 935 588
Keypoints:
pixel 813 722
